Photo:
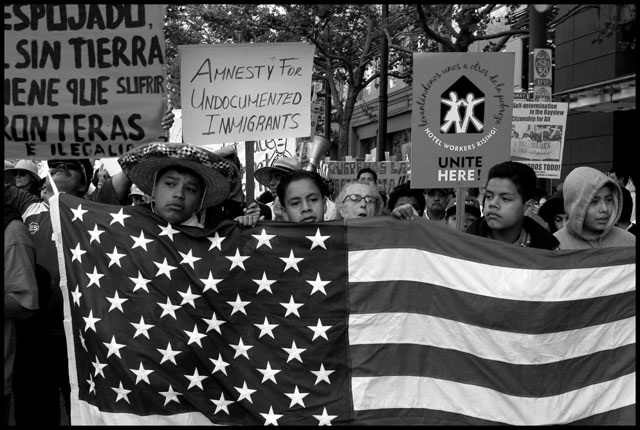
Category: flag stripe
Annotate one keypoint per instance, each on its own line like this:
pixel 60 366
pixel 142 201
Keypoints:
pixel 385 265
pixel 483 403
pixel 417 417
pixel 542 380
pixel 498 314
pixel 510 347
pixel 422 235
pixel 87 413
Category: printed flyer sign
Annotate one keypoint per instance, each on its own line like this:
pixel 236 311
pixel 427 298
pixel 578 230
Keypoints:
pixel 461 117
pixel 241 92
pixel 537 136
pixel 83 80
pixel 390 173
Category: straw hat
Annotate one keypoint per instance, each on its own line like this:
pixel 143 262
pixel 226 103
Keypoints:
pixel 143 163
pixel 284 165
pixel 25 166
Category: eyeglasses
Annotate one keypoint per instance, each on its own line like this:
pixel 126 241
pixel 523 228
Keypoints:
pixel 19 173
pixel 66 166
pixel 357 197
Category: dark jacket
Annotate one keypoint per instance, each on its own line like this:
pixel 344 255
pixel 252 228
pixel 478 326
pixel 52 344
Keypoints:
pixel 540 237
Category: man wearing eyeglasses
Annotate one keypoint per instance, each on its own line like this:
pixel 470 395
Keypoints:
pixel 358 199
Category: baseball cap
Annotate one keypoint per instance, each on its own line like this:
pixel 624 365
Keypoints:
pixel 444 190
pixel 471 205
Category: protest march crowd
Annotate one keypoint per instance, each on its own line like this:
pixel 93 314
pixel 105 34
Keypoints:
pixel 186 185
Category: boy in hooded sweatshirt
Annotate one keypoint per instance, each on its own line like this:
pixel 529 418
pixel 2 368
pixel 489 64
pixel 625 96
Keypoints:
pixel 594 204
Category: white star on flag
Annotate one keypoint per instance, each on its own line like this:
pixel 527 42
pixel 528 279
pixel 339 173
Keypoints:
pixel 122 393
pixel 245 392
pixel 292 307
pixel 216 241
pixel 115 257
pixel 189 259
pixel 319 330
pixel 92 385
pixel 317 240
pixel 241 349
pixel 263 239
pixel 142 374
pixel 292 262
pixel 188 297
pixel 318 285
pixel 237 260
pixel 195 379
pixel 239 305
pixel 268 373
pixel 98 367
pixel 325 418
pixel 210 283
pixel 77 253
pixel 270 418
pixel 194 336
pixel 294 352
pixel 296 397
pixel 90 322
pixel 141 328
pixel 140 241
pixel 76 295
pixel 164 268
pixel 213 324
pixel 77 213
pixel 266 328
pixel 322 374
pixel 116 302
pixel 169 309
pixel 264 283
pixel 119 217
pixel 141 283
pixel 114 347
pixel 220 365
pixel 168 354
pixel 95 234
pixel 94 278
pixel 170 395
pixel 82 340
pixel 221 404
pixel 168 231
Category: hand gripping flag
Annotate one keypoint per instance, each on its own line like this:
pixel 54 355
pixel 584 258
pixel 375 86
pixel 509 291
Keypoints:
pixel 368 321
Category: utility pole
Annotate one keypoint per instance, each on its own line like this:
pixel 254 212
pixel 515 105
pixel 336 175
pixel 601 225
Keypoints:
pixel 382 98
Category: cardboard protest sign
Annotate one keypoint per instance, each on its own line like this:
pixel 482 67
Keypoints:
pixel 537 137
pixel 82 81
pixel 245 92
pixel 390 173
pixel 461 117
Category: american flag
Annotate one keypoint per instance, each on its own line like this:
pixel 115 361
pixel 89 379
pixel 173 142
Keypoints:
pixel 367 321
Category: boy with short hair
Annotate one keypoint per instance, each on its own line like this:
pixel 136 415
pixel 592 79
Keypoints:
pixel 593 201
pixel 304 196
pixel 509 194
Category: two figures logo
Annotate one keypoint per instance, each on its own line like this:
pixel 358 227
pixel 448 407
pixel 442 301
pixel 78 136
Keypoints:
pixel 462 108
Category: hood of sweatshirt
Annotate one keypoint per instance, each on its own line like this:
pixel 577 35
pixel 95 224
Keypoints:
pixel 579 188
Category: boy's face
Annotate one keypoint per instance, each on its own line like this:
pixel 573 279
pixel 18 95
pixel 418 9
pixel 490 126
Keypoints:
pixel 367 178
pixel 304 202
pixel 274 180
pixel 177 196
pixel 599 212
pixel 469 218
pixel 504 208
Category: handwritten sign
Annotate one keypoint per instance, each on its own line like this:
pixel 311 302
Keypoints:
pixel 461 117
pixel 390 173
pixel 82 81
pixel 242 92
pixel 537 136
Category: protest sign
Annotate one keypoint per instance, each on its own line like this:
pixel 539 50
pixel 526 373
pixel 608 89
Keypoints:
pixel 537 136
pixel 461 117
pixel 390 173
pixel 245 92
pixel 82 81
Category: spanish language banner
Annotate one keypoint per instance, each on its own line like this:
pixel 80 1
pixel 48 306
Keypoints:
pixel 82 81
pixel 250 91
pixel 368 321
